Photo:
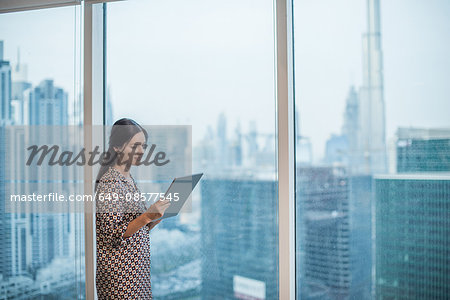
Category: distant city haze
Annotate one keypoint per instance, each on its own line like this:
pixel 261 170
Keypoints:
pixel 222 60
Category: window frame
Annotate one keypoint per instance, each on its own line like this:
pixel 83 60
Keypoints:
pixel 93 82
pixel 7 6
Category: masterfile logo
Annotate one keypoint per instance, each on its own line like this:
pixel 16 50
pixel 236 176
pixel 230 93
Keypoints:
pixel 68 158
pixel 46 161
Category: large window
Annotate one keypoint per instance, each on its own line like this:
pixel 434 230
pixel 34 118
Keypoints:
pixel 373 138
pixel 209 64
pixel 372 142
pixel 41 254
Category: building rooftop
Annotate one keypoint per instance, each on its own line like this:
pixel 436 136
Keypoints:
pixel 423 133
pixel 415 176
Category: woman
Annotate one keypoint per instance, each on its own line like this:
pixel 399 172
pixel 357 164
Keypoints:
pixel 122 227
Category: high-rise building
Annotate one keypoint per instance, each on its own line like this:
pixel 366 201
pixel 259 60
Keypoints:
pixel 32 244
pixel 20 102
pixel 412 256
pixel 350 127
pixel 239 238
pixel 351 131
pixel 19 222
pixel 6 249
pixel 221 142
pixel 360 211
pixel 236 147
pixel 372 140
pixel 336 150
pixel 422 150
pixel 49 234
pixel 323 232
pixel 412 210
pixel 364 116
pixel 252 144
pixel 48 105
pixel 5 218
pixel 20 94
pixel 5 88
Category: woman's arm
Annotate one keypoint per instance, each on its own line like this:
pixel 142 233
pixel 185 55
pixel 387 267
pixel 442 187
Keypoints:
pixel 111 220
pixel 137 224
pixel 152 224
pixel 155 211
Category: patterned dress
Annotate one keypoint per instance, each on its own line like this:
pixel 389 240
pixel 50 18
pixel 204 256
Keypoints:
pixel 123 264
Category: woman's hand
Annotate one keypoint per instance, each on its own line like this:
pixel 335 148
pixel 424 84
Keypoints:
pixel 153 224
pixel 157 209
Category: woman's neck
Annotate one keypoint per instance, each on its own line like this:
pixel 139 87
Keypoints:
pixel 121 169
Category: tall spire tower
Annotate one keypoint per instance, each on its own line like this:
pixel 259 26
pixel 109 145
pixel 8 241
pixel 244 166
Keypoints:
pixel 372 111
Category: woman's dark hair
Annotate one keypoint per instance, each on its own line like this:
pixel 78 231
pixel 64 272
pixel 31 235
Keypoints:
pixel 122 132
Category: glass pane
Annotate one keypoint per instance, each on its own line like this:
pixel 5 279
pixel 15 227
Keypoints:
pixel 41 254
pixel 208 64
pixel 373 141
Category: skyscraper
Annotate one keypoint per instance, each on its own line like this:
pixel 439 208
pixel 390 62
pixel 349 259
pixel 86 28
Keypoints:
pixel 20 94
pixel 351 131
pixel 422 150
pixel 336 150
pixel 239 238
pixel 5 88
pixel 5 218
pixel 323 229
pixel 49 233
pixel 412 256
pixel 48 105
pixel 364 117
pixel 411 212
pixel 360 211
pixel 222 159
pixel 372 140
pixel 5 119
pixel 236 147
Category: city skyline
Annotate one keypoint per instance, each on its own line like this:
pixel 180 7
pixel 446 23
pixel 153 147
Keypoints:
pixel 345 200
pixel 412 89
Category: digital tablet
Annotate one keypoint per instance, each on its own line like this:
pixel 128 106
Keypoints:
pixel 178 193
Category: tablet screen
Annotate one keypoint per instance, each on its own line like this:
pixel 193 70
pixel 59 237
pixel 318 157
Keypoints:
pixel 178 193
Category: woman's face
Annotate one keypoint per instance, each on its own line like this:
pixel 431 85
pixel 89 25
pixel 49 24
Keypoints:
pixel 138 144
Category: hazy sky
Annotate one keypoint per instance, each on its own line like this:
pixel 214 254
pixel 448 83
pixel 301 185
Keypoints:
pixel 46 39
pixel 188 61
pixel 416 49
pixel 184 62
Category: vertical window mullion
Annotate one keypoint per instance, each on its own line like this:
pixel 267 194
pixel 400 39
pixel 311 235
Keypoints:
pixel 286 150
pixel 93 87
